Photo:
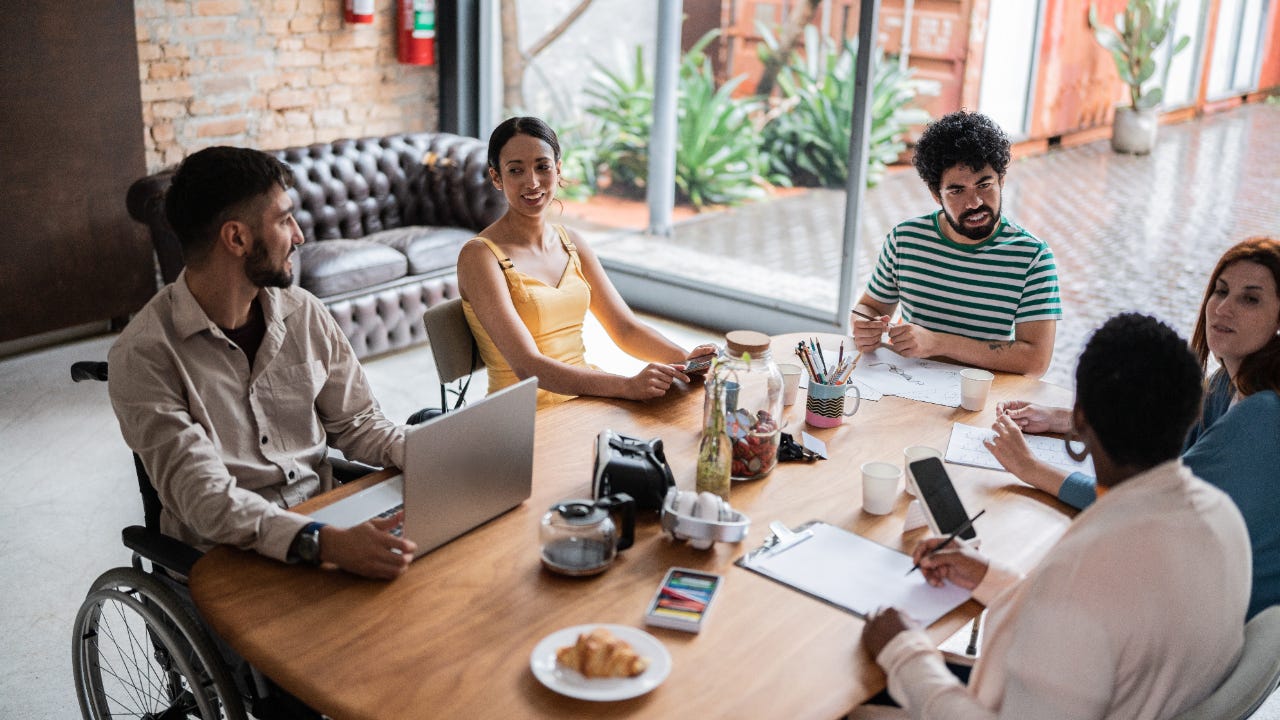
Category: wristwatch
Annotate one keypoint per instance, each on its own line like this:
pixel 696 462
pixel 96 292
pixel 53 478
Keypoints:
pixel 307 543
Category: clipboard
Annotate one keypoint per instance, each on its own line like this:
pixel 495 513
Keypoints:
pixel 850 572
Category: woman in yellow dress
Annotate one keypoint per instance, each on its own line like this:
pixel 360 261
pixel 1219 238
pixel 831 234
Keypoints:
pixel 527 285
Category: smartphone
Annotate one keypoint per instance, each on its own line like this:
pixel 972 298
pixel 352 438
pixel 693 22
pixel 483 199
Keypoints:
pixel 683 599
pixel 942 505
pixel 698 364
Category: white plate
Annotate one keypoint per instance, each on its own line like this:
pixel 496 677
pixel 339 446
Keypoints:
pixel 571 683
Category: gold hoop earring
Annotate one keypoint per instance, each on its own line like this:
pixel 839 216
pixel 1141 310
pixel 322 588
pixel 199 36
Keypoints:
pixel 1072 437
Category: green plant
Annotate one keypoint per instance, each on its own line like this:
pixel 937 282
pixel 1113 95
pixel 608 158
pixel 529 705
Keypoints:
pixel 718 155
pixel 624 107
pixel 578 159
pixel 808 133
pixel 1140 29
pixel 718 149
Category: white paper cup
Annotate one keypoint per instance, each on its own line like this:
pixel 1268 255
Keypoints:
pixel 790 382
pixel 879 487
pixel 910 454
pixel 974 386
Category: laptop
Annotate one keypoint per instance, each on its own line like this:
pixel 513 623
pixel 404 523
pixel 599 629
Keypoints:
pixel 461 469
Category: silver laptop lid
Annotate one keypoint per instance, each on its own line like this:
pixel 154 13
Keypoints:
pixel 466 467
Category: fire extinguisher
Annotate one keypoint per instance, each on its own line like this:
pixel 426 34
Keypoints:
pixel 358 11
pixel 417 32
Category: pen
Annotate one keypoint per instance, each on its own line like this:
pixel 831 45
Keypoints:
pixel 973 636
pixel 865 316
pixel 950 538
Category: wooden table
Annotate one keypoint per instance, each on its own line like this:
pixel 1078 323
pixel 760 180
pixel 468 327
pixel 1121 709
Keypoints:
pixel 452 638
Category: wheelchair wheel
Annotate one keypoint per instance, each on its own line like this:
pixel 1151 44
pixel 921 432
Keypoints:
pixel 137 652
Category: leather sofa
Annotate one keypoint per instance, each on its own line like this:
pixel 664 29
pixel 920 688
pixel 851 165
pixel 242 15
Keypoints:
pixel 383 218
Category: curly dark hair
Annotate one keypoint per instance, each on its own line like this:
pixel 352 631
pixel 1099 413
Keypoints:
pixel 213 186
pixel 1261 370
pixel 960 137
pixel 1139 388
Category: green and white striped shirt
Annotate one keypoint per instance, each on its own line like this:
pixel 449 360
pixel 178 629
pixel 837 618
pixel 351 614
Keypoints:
pixel 977 291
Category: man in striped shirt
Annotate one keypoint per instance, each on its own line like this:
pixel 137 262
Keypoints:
pixel 973 286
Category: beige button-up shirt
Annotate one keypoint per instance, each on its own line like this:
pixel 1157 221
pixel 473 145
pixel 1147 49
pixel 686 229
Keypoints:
pixel 1137 613
pixel 230 448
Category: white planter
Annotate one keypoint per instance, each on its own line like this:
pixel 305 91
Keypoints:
pixel 1134 131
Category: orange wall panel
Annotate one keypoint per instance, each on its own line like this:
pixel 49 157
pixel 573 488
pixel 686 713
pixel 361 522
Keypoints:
pixel 1076 82
pixel 1270 75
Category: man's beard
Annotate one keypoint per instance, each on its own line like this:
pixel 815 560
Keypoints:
pixel 973 233
pixel 258 269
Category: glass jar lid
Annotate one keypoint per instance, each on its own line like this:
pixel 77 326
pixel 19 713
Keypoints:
pixel 738 342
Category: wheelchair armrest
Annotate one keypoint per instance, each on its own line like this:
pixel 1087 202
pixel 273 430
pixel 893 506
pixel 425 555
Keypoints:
pixel 170 553
pixel 345 471
pixel 88 370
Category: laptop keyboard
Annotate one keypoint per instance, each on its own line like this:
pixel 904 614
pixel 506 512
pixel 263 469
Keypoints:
pixel 398 530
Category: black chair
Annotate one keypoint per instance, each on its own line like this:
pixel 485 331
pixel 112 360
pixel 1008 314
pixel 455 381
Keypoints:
pixel 139 646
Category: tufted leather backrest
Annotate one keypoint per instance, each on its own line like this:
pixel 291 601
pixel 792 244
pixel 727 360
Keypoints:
pixel 350 188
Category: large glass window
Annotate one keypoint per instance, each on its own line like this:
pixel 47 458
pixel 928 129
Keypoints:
pixel 760 178
pixel 1233 69
pixel 1009 63
pixel 1183 69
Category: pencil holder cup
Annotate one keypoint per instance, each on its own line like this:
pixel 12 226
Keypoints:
pixel 824 406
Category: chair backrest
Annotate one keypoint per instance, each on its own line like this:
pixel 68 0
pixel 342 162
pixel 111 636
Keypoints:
pixel 1254 677
pixel 452 344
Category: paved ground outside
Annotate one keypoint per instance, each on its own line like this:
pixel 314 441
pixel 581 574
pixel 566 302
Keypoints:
pixel 1129 232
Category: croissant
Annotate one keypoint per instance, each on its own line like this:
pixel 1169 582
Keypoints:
pixel 599 654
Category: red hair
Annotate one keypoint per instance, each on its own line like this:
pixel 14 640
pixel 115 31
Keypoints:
pixel 1261 369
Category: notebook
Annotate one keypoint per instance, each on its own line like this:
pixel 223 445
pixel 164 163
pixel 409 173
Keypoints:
pixel 461 469
pixel 852 573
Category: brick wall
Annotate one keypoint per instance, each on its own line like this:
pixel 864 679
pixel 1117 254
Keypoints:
pixel 271 74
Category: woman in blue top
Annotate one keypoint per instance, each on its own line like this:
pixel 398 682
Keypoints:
pixel 1236 443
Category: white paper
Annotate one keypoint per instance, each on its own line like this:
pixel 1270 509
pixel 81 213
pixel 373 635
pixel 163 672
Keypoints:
pixel 966 448
pixel 857 574
pixel 924 380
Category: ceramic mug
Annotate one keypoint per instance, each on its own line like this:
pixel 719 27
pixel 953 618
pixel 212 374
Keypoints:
pixel 824 405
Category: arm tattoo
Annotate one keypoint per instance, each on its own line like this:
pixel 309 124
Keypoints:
pixel 1001 345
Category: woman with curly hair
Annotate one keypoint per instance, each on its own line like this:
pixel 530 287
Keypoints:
pixel 973 286
pixel 1235 444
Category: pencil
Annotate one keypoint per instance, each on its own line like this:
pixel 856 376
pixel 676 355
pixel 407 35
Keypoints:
pixel 821 360
pixel 950 538
pixel 862 315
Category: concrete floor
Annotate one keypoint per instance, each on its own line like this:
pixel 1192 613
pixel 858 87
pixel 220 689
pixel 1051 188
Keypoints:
pixel 1128 232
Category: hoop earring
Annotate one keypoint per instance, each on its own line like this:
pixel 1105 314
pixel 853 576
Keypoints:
pixel 1072 453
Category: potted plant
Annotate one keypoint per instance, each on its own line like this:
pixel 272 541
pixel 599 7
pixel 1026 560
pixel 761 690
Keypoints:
pixel 1139 31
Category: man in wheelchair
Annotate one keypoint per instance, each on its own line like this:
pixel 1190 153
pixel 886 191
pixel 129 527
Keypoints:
pixel 232 382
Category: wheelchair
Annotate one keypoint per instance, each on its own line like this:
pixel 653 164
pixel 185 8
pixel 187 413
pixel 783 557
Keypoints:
pixel 139 647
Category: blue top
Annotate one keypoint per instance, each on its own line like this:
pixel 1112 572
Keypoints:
pixel 1236 448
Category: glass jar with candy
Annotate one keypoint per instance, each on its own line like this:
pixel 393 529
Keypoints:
pixel 752 404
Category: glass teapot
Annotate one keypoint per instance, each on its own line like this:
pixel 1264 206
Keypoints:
pixel 579 537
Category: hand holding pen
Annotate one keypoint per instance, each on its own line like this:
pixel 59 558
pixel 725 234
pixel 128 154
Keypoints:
pixel 942 559
pixel 868 330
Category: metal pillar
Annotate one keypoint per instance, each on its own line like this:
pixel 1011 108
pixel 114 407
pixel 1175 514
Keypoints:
pixel 459 66
pixel 860 131
pixel 661 192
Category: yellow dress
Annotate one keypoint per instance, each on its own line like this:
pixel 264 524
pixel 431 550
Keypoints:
pixel 553 315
